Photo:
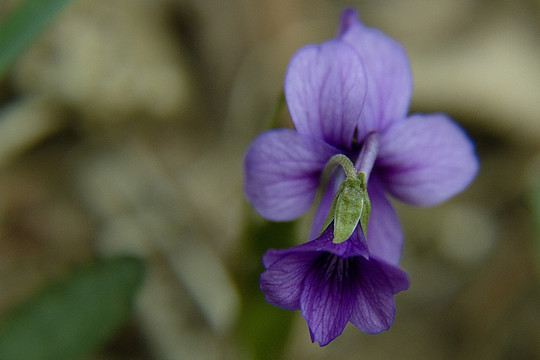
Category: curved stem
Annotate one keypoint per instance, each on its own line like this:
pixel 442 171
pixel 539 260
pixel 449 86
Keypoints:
pixel 368 155
pixel 344 162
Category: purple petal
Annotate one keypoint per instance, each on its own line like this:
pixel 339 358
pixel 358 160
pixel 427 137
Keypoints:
pixel 397 278
pixel 388 74
pixel 350 248
pixel 326 203
pixel 282 282
pixel 426 159
pixel 325 87
pixel 376 284
pixel 384 234
pixel 328 297
pixel 282 173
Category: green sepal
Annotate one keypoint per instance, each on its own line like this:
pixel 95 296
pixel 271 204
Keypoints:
pixel 331 213
pixel 366 213
pixel 350 206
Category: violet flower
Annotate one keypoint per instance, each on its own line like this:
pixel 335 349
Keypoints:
pixel 333 284
pixel 351 96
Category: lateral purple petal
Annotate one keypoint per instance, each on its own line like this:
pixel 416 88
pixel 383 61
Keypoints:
pixel 388 74
pixel 325 87
pixel 325 204
pixel 282 171
pixel 426 159
pixel 384 234
pixel 376 284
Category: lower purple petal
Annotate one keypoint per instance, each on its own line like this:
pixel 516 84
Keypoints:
pixel 282 282
pixel 333 284
pixel 376 285
pixel 328 297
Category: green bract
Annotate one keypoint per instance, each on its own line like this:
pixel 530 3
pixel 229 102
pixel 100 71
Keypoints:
pixel 350 206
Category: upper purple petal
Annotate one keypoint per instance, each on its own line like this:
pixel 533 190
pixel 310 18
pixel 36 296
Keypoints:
pixel 325 87
pixel 388 73
pixel 282 172
pixel 426 159
pixel 376 285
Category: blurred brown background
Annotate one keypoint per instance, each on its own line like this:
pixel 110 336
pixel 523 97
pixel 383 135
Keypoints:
pixel 123 129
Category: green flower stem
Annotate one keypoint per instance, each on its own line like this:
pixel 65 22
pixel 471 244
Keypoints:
pixel 344 162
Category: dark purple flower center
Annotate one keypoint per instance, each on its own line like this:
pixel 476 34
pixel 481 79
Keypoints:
pixel 330 267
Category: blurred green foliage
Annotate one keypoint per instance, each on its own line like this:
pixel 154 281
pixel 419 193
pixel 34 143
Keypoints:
pixel 535 203
pixel 262 328
pixel 23 25
pixel 75 316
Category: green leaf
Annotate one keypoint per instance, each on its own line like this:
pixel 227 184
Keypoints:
pixel 23 25
pixel 75 316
